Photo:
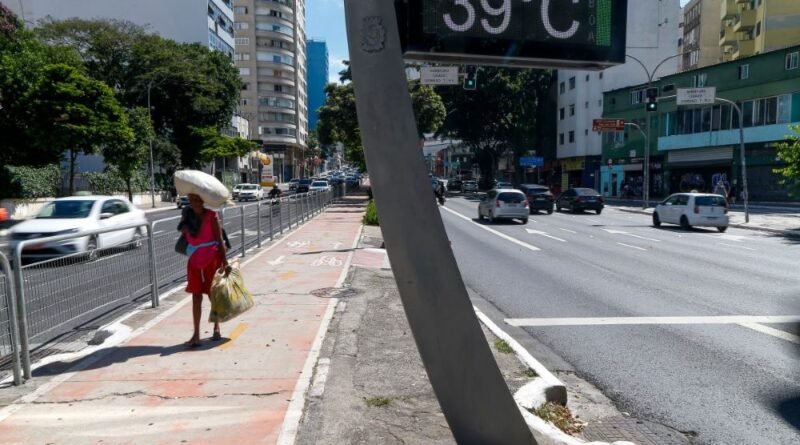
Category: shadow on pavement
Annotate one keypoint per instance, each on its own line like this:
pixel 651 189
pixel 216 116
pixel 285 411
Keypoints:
pixel 788 238
pixel 120 354
pixel 789 410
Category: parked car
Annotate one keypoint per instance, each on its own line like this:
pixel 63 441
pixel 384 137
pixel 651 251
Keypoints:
pixel 503 185
pixel 182 201
pixel 75 214
pixel 504 204
pixel 693 209
pixel 580 199
pixel 251 192
pixel 539 197
pixel 469 187
pixel 454 185
pixel 352 182
pixel 303 186
pixel 293 184
pixel 236 189
pixel 319 186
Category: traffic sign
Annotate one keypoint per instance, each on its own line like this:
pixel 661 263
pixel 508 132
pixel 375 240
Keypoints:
pixel 697 96
pixel 608 124
pixel 531 161
pixel 439 75
pixel 545 33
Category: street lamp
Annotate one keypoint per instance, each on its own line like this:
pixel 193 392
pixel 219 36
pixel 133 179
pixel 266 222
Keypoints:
pixel 152 164
pixel 646 169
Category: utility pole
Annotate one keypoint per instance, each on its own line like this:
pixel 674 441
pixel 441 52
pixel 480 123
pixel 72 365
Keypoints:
pixel 152 164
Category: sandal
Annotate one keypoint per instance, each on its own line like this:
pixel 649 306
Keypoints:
pixel 193 344
pixel 217 336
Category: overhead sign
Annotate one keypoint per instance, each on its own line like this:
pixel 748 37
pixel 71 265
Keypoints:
pixel 697 96
pixel 608 124
pixel 531 161
pixel 587 34
pixel 439 75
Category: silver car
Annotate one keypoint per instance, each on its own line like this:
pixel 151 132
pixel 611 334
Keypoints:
pixel 504 204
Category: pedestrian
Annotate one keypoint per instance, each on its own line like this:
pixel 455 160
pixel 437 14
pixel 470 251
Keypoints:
pixel 207 254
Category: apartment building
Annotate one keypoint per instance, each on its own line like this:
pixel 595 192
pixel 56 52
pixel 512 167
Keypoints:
pixel 751 27
pixel 317 78
pixel 652 34
pixel 271 56
pixel 700 34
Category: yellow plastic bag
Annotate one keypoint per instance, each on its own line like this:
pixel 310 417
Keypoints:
pixel 229 296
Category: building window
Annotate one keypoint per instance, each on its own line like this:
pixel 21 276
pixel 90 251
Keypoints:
pixel 242 41
pixel 586 132
pixel 245 102
pixel 240 10
pixel 244 71
pixel 571 83
pixel 699 81
pixel 601 74
pixel 561 139
pixel 241 25
pixel 758 29
pixel 586 105
pixel 562 88
pixel 561 114
pixel 245 86
pixel 572 110
pixel 571 136
pixel 636 96
pixel 241 56
pixel 587 77
pixel 792 60
pixel 744 72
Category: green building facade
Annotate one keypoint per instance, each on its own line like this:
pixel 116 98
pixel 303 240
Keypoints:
pixel 695 147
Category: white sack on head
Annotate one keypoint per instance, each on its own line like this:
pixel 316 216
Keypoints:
pixel 210 189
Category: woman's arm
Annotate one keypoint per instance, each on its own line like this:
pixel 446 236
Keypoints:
pixel 217 230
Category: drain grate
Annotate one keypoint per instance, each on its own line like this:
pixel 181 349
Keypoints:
pixel 633 430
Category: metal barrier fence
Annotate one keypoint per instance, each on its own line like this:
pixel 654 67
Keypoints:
pixel 59 299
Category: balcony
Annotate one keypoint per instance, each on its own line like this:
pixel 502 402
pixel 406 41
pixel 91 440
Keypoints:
pixel 727 36
pixel 746 48
pixel 729 9
pixel 745 21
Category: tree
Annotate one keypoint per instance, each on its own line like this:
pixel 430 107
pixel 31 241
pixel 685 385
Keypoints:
pixel 77 114
pixel 500 115
pixel 216 145
pixel 789 152
pixel 129 158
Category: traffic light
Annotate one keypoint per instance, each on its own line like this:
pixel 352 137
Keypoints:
pixel 471 78
pixel 652 99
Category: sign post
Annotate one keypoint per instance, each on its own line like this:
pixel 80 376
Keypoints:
pixel 608 125
pixel 697 96
pixel 439 75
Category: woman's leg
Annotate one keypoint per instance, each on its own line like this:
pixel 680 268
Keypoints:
pixel 217 335
pixel 197 309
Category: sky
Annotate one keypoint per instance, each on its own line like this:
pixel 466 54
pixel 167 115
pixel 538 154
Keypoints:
pixel 325 21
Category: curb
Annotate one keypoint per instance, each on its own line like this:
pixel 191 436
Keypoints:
pixel 737 225
pixel 545 388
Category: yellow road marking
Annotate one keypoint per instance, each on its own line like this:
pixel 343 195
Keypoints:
pixel 287 275
pixel 236 332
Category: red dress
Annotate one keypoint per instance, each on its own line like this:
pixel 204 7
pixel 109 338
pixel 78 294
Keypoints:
pixel 204 256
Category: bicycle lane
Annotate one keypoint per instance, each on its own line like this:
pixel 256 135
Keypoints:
pixel 248 388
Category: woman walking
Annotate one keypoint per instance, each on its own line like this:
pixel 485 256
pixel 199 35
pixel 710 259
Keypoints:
pixel 206 251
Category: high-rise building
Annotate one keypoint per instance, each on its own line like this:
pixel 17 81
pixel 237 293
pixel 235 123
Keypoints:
pixel 209 22
pixel 271 57
pixel 317 78
pixel 700 34
pixel 652 34
pixel 751 27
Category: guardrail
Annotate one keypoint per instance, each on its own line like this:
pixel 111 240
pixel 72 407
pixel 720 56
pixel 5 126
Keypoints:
pixel 46 302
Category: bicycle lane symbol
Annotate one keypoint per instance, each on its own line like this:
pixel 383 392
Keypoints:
pixel 327 260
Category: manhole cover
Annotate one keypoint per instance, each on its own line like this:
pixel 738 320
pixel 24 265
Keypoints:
pixel 633 430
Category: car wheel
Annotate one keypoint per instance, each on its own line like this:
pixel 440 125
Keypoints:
pixel 91 249
pixel 550 211
pixel 656 220
pixel 599 211
pixel 524 221
pixel 572 208
pixel 685 223
pixel 722 229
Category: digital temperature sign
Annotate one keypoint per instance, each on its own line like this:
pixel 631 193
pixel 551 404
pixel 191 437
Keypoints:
pixel 587 34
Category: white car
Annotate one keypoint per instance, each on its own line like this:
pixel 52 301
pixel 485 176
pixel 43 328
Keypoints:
pixel 319 186
pixel 504 204
pixel 236 189
pixel 75 214
pixel 251 191
pixel 693 209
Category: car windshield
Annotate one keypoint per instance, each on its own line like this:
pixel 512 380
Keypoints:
pixel 250 187
pixel 710 201
pixel 305 181
pixel 319 184
pixel 511 197
pixel 71 209
pixel 586 192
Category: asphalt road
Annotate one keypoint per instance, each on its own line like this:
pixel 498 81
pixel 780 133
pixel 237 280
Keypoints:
pixel 581 283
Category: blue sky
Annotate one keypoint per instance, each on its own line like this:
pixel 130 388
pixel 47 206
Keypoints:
pixel 325 21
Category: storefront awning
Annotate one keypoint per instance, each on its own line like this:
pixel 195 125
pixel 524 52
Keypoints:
pixel 694 156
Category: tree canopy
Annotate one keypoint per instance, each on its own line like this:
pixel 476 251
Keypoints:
pixel 789 152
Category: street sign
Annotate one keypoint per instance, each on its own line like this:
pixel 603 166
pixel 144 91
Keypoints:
pixel 545 33
pixel 439 75
pixel 697 96
pixel 608 124
pixel 531 161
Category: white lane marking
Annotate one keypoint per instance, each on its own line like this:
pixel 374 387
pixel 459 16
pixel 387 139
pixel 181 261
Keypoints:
pixel 593 220
pixel 158 231
pixel 632 247
pixel 699 319
pixel 737 238
pixel 567 230
pixel 738 247
pixel 495 232
pixel 276 261
pixel 320 377
pixel 544 234
pixel 772 331
pixel 633 235
pixel 533 220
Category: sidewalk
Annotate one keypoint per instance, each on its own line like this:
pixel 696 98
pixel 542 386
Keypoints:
pixel 245 389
